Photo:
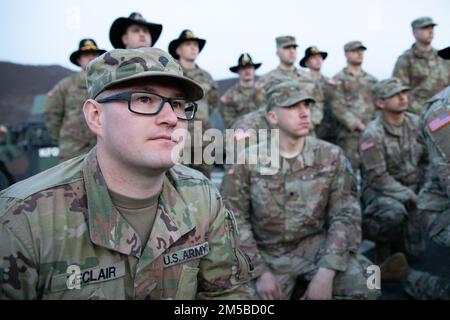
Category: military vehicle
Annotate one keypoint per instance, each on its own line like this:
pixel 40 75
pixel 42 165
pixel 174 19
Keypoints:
pixel 27 148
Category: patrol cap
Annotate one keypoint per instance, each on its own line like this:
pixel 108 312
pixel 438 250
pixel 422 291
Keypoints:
pixel 354 45
pixel 389 87
pixel 287 94
pixel 286 41
pixel 423 22
pixel 120 65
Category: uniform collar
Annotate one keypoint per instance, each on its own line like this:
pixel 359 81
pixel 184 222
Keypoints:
pixel 304 159
pixel 391 129
pixel 107 228
pixel 423 54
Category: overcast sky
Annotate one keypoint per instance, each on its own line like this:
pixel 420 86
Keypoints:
pixel 47 31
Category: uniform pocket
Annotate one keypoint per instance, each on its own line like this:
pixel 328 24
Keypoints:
pixel 187 286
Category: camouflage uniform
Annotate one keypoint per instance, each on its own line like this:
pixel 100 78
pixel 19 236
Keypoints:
pixel 434 198
pixel 327 128
pixel 425 72
pixel 65 118
pixel 205 108
pixel 393 170
pixel 61 225
pixel 281 218
pixel 240 100
pixel 64 216
pixel 352 102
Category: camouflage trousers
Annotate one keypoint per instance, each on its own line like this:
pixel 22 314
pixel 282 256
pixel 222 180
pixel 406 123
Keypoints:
pixel 349 143
pixel 300 264
pixel 389 221
pixel 422 285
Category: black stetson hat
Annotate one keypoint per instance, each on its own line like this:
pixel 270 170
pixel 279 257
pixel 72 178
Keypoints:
pixel 121 24
pixel 311 51
pixel 186 35
pixel 85 46
pixel 244 60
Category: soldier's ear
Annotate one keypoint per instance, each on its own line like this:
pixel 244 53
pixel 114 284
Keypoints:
pixel 125 39
pixel 272 117
pixel 379 103
pixel 93 115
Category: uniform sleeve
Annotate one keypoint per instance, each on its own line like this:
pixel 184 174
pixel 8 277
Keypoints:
pixel 227 109
pixel 373 160
pixel 401 71
pixel 18 272
pixel 340 108
pixel 54 110
pixel 236 193
pixel 213 96
pixel 226 270
pixel 344 219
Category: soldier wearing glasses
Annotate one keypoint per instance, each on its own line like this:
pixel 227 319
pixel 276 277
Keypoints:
pixel 124 221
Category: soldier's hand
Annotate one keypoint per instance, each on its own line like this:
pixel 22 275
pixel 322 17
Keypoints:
pixel 321 286
pixel 413 199
pixel 361 126
pixel 268 287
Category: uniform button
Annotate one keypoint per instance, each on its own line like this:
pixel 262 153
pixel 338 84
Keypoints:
pixel 292 194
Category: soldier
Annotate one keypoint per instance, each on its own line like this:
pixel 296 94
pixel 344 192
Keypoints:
pixel 134 32
pixel 64 106
pixel 299 219
pixel 186 50
pixel 286 71
pixel 124 222
pixel 243 97
pixel 352 101
pixel 313 59
pixel 433 200
pixel 420 67
pixel 393 166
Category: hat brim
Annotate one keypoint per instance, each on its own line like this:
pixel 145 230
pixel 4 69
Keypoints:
pixel 75 55
pixel 235 69
pixel 303 61
pixel 426 26
pixel 444 53
pixel 295 99
pixel 174 44
pixel 120 25
pixel 192 90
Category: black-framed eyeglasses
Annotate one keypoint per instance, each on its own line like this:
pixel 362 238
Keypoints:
pixel 150 104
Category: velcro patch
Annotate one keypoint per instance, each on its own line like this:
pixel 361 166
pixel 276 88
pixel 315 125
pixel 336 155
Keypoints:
pixel 439 121
pixel 187 254
pixel 366 145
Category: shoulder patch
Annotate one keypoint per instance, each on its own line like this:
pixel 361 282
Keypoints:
pixel 438 122
pixel 366 145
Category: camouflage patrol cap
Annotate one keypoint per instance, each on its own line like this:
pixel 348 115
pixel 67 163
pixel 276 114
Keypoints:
pixel 422 22
pixel 389 87
pixel 287 94
pixel 354 45
pixel 120 65
pixel 286 41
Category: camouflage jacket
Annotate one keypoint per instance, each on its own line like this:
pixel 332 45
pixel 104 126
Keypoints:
pixel 208 103
pixel 278 209
pixel 352 100
pixel 393 161
pixel 239 100
pixel 435 131
pixel 424 72
pixel 65 118
pixel 327 128
pixel 64 218
pixel 312 87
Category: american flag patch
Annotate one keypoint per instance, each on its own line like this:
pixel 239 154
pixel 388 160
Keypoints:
pixel 367 145
pixel 439 122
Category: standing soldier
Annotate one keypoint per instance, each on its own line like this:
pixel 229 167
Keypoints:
pixel 243 97
pixel 124 221
pixel 300 217
pixel 352 101
pixel 64 106
pixel 420 67
pixel 186 50
pixel 134 32
pixel 393 166
pixel 286 71
pixel 313 59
